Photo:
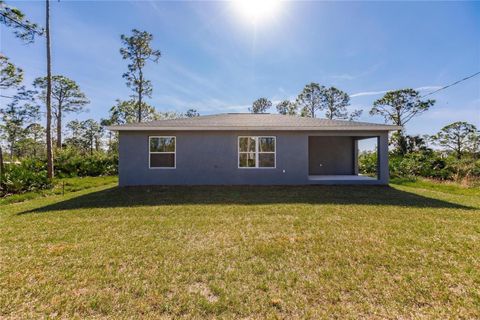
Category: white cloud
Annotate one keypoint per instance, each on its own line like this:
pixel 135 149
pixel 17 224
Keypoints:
pixel 428 88
pixel 367 93
pixel 374 93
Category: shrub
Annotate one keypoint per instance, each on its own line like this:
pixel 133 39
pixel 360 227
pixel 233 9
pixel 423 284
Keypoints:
pixel 425 163
pixel 367 163
pixel 419 164
pixel 69 163
pixel 466 168
pixel 29 175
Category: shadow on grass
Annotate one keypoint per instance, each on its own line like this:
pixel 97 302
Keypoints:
pixel 247 195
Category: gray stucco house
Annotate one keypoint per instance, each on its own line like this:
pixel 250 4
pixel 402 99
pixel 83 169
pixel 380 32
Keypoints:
pixel 247 149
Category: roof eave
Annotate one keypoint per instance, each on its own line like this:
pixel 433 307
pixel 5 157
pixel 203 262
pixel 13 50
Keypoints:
pixel 247 128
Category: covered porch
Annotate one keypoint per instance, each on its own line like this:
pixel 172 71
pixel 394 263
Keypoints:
pixel 333 159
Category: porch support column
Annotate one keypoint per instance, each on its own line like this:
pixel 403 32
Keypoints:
pixel 355 156
pixel 382 151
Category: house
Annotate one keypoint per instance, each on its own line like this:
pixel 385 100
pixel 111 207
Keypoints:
pixel 247 149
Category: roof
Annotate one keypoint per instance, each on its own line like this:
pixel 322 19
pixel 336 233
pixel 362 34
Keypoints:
pixel 253 121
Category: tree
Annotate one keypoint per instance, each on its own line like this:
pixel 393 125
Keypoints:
pixel 138 51
pixel 75 138
pixel 126 112
pixel 22 28
pixel 85 135
pixel 355 114
pixel 92 133
pixel 287 107
pixel 458 137
pixel 167 115
pixel 112 143
pixel 15 117
pixel 399 107
pixel 48 94
pixel 336 102
pixel 475 144
pixel 416 144
pixel 67 98
pixel 260 105
pixel 311 99
pixel 33 141
pixel 191 113
pixel 10 75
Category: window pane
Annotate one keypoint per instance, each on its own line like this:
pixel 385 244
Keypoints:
pixel 247 144
pixel 162 144
pixel 247 160
pixel 266 160
pixel 162 160
pixel 266 144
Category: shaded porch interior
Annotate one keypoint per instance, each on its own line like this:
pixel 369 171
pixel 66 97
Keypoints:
pixel 335 158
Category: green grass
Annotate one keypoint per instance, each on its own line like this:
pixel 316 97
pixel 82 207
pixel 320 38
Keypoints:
pixel 61 186
pixel 405 251
pixel 447 186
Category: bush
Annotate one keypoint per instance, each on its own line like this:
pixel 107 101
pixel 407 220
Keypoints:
pixel 29 175
pixel 426 163
pixel 68 163
pixel 419 164
pixel 367 163
pixel 466 168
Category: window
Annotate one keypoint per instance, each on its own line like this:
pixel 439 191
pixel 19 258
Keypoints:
pixel 162 152
pixel 256 152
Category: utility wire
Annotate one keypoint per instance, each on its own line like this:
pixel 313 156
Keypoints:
pixel 450 85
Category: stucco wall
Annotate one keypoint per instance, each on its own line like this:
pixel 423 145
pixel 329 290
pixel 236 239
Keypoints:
pixel 210 157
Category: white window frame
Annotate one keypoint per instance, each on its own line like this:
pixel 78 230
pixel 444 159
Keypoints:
pixel 257 152
pixel 158 152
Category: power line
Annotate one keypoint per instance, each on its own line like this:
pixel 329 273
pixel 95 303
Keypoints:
pixel 450 85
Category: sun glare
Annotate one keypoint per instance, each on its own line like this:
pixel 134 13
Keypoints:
pixel 257 11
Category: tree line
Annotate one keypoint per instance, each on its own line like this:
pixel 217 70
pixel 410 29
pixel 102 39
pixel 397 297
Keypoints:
pixel 52 97
pixel 397 107
pixel 55 96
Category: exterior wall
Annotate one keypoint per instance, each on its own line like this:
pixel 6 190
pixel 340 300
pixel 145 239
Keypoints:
pixel 211 158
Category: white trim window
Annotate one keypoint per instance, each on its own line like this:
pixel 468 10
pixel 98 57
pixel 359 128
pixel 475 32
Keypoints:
pixel 162 152
pixel 256 152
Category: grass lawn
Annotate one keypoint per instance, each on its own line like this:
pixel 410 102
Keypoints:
pixel 405 251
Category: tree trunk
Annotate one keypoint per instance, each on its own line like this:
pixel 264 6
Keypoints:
pixel 1 164
pixel 12 147
pixel 459 147
pixel 402 145
pixel 59 127
pixel 49 94
pixel 140 89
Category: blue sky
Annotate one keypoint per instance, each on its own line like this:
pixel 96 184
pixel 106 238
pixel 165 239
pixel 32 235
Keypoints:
pixel 216 60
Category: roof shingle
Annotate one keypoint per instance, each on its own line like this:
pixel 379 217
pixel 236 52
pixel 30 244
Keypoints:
pixel 251 121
